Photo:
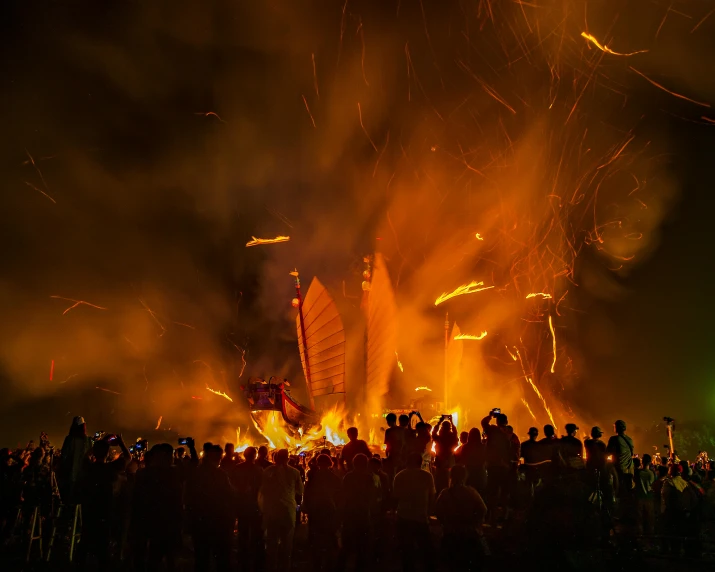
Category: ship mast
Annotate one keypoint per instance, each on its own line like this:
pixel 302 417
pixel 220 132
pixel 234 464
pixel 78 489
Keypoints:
pixel 446 363
pixel 298 302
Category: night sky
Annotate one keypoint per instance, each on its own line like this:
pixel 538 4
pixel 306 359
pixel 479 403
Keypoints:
pixel 165 134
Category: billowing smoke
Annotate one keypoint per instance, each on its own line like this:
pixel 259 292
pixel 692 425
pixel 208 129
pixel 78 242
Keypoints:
pixel 146 144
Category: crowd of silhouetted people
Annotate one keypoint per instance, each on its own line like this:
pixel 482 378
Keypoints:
pixel 430 498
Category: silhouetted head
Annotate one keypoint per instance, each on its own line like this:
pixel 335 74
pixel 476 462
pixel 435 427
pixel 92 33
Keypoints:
pixel 360 462
pixel 463 437
pixel 391 419
pixel 414 461
pixel 375 464
pixel 212 455
pixel 636 463
pixel 352 433
pixel 662 471
pixel 457 475
pixel 100 450
pixel 423 428
pixel 686 470
pixel 446 427
pixel 675 470
pixel 549 431
pixel 647 460
pixel 78 427
pixel 249 454
pixel 281 457
pixel 533 433
pixel 475 435
pixel 207 446
pixel 262 452
pixel 596 432
pixel 180 452
pixel 229 449
pixel 571 429
pixel 620 427
pixel 502 420
pixel 404 420
pixel 324 461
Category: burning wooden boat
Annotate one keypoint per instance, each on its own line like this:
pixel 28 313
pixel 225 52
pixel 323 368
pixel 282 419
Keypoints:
pixel 274 395
pixel 321 343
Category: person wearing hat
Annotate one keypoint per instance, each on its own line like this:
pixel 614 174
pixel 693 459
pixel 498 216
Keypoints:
pixel 571 448
pixel 74 449
pixel 595 450
pixel 621 447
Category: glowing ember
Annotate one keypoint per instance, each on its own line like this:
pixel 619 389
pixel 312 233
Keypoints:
pixel 219 393
pixel 399 363
pixel 479 236
pixel 553 339
pixel 606 49
pixel 422 388
pixel 107 390
pixel 52 369
pixel 542 295
pixel 257 241
pixel 470 288
pixel 471 337
pixel 76 303
pixel 158 423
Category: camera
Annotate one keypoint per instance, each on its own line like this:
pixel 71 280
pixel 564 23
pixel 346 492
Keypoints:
pixel 495 411
pixel 185 440
pixel 141 445
pixel 112 439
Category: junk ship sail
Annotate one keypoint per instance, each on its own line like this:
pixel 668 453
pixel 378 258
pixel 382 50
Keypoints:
pixel 321 344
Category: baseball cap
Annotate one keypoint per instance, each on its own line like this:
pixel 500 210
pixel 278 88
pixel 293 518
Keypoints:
pixel 571 427
pixel 596 432
pixel 79 420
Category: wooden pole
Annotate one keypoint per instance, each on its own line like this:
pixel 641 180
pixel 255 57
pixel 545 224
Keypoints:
pixel 301 321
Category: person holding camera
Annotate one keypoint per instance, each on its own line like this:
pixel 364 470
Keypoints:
pixel 499 460
pixel 96 487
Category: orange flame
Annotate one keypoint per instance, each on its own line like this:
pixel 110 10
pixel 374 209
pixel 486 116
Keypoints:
pixel 471 337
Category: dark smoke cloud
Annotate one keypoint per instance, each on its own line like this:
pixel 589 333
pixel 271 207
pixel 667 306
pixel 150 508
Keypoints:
pixel 153 198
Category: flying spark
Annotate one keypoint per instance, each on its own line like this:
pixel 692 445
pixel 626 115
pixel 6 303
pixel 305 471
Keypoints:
pixel 553 339
pixel 257 241
pixel 479 236
pixel 470 288
pixel 52 369
pixel 107 390
pixel 604 48
pixel 471 337
pixel 422 388
pixel 399 363
pixel 219 393
pixel 158 423
pixel 542 295
pixel 211 114
pixel 76 303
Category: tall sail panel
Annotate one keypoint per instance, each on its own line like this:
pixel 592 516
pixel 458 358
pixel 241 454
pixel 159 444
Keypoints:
pixel 453 363
pixel 324 341
pixel 381 334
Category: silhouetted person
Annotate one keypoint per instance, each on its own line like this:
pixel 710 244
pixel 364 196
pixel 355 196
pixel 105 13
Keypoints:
pixel 595 450
pixel 461 511
pixel 262 460
pixel 414 492
pixel 97 498
pixel 230 458
pixel 354 447
pixel 394 437
pixel 645 478
pixel 422 444
pixel 533 455
pixel 678 501
pixel 157 511
pixel 550 452
pixel 620 446
pixel 281 493
pixel 409 436
pixel 473 457
pixel 445 440
pixel 380 524
pixel 246 478
pixel 211 503
pixel 499 461
pixel 74 449
pixel 10 491
pixel 320 503
pixel 361 504
pixel 571 448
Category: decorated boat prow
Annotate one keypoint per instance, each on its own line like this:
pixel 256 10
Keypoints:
pixel 274 395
